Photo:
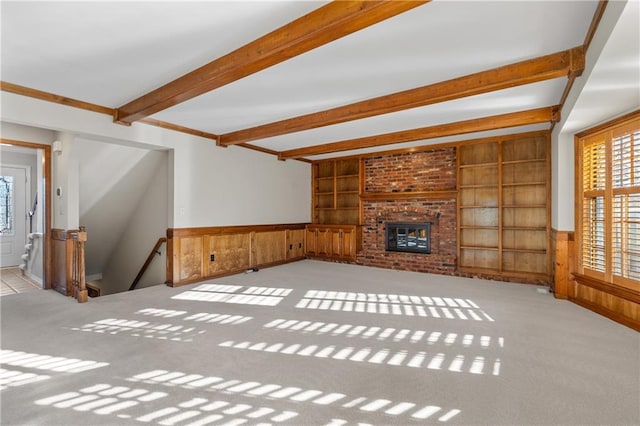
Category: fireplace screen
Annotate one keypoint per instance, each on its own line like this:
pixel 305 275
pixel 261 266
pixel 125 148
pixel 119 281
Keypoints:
pixel 413 237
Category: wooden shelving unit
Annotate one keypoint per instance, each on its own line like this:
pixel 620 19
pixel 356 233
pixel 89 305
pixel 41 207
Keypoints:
pixel 335 233
pixel 503 206
pixel 336 192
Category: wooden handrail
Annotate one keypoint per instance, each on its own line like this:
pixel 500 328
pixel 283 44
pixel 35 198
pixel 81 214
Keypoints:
pixel 148 262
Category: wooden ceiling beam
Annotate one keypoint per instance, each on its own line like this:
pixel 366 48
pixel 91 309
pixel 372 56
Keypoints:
pixel 502 121
pixel 324 25
pixel 560 64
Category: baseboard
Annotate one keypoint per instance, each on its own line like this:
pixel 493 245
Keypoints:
pixel 233 272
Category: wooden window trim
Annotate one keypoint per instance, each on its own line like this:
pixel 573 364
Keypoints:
pixel 628 123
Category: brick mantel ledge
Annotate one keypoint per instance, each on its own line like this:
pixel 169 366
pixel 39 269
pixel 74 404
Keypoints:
pixel 407 195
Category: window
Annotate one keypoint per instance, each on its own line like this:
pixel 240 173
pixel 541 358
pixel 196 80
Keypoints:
pixel 609 203
pixel 6 205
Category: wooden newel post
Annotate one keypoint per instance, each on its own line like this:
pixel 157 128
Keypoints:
pixel 81 289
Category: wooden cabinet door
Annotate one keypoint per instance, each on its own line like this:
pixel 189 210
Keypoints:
pixel 348 244
pixel 311 241
pixel 335 243
pixel 323 242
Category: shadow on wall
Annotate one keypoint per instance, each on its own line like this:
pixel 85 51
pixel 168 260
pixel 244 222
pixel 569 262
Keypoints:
pixel 124 223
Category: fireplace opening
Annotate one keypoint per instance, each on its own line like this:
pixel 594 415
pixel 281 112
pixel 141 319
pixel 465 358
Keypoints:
pixel 412 237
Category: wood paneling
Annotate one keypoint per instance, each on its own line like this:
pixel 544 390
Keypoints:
pixel 195 254
pixel 617 303
pixel 191 258
pixel 562 245
pixel 230 253
pixel 295 243
pixel 268 247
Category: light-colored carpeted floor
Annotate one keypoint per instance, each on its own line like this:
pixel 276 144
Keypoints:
pixel 314 343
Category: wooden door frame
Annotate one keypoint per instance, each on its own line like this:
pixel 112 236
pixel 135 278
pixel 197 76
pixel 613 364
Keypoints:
pixel 46 172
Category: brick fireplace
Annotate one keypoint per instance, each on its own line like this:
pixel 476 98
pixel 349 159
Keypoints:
pixel 413 187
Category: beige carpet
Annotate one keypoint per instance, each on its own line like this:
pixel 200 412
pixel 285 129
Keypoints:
pixel 315 343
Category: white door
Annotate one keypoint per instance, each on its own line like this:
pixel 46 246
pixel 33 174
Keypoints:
pixel 13 215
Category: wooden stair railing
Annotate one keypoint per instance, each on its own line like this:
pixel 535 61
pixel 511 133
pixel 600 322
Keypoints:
pixel 77 265
pixel 152 254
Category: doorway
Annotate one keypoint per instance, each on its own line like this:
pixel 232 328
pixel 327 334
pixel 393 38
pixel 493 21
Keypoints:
pixel 25 215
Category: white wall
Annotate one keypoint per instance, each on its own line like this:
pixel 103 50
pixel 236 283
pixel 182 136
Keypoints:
pixel 235 186
pixel 599 95
pixel 147 223
pixel 65 174
pixel 212 186
pixel 26 133
pixel 113 180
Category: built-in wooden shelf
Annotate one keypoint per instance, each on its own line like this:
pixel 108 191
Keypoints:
pixel 525 183
pixel 336 188
pixel 477 186
pixel 464 166
pixel 503 206
pixel 479 248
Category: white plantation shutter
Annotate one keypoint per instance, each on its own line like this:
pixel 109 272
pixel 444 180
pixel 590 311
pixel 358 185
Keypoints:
pixel 609 175
pixel 594 165
pixel 593 204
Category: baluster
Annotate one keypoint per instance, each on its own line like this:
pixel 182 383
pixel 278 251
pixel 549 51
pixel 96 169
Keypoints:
pixel 82 294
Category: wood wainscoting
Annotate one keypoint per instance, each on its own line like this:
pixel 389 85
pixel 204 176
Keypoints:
pixel 196 254
pixel 562 266
pixel 618 303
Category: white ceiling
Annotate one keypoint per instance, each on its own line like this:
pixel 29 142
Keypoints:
pixel 109 53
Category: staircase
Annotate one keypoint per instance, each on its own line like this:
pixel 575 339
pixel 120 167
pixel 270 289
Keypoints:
pixel 28 248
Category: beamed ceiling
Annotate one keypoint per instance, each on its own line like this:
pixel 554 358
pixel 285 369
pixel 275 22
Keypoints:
pixel 305 80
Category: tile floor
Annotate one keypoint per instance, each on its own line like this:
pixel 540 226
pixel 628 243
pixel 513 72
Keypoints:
pixel 13 282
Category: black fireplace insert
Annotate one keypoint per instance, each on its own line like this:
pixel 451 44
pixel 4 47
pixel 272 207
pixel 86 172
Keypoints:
pixel 412 237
